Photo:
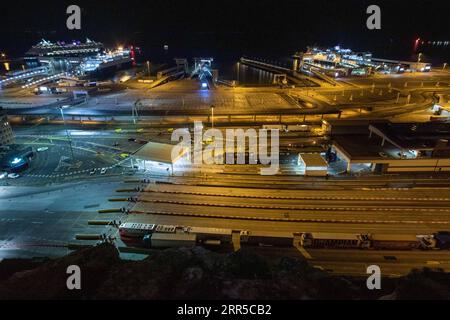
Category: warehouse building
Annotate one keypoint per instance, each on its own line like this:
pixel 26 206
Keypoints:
pixel 387 147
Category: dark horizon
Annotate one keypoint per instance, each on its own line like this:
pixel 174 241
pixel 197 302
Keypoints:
pixel 229 29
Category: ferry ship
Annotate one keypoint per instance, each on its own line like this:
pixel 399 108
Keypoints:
pixel 106 63
pixel 62 49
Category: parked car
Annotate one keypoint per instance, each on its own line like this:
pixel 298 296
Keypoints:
pixel 92 172
pixel 103 171
pixel 13 175
pixel 3 175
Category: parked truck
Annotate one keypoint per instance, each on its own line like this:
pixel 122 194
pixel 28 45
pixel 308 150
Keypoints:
pixel 400 241
pixel 442 239
pixel 333 240
pixel 367 241
pixel 207 235
pixel 169 240
pixel 298 128
pixel 280 127
pixel 166 236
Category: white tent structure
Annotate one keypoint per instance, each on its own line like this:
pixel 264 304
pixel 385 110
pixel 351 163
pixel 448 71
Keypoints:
pixel 155 156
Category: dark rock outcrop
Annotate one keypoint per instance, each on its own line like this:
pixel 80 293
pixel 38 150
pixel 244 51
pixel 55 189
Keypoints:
pixel 196 273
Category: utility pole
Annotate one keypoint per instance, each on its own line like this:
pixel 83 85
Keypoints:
pixel 418 60
pixel 134 110
pixel 67 133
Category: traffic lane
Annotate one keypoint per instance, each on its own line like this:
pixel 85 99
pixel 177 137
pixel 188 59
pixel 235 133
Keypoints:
pixel 400 79
pixel 324 215
pixel 345 268
pixel 61 198
pixel 42 223
pixel 371 255
pixel 443 194
pixel 369 204
pixel 431 194
pixel 47 236
pixel 248 177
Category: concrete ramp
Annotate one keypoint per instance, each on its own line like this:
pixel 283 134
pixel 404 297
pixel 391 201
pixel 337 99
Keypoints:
pixel 325 78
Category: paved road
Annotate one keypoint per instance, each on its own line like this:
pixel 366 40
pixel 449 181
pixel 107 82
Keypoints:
pixel 391 263
pixel 282 212
pixel 41 221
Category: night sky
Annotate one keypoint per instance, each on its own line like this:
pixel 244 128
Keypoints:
pixel 229 28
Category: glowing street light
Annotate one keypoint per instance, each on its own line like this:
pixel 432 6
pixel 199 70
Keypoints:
pixel 212 116
pixel 148 67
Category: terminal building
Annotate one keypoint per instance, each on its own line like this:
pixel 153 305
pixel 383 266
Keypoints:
pixel 386 147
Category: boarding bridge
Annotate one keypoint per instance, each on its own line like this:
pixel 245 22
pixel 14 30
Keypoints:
pixel 170 74
pixel 202 68
pixel 324 77
pixel 17 76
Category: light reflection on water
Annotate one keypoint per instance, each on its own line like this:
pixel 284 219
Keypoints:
pixel 246 75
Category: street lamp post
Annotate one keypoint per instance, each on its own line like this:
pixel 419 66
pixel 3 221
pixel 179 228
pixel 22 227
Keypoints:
pixel 67 133
pixel 418 60
pixel 445 65
pixel 148 68
pixel 212 117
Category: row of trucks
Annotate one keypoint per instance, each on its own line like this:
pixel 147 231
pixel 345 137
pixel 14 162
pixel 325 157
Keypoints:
pixel 288 128
pixel 321 240
pixel 166 236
